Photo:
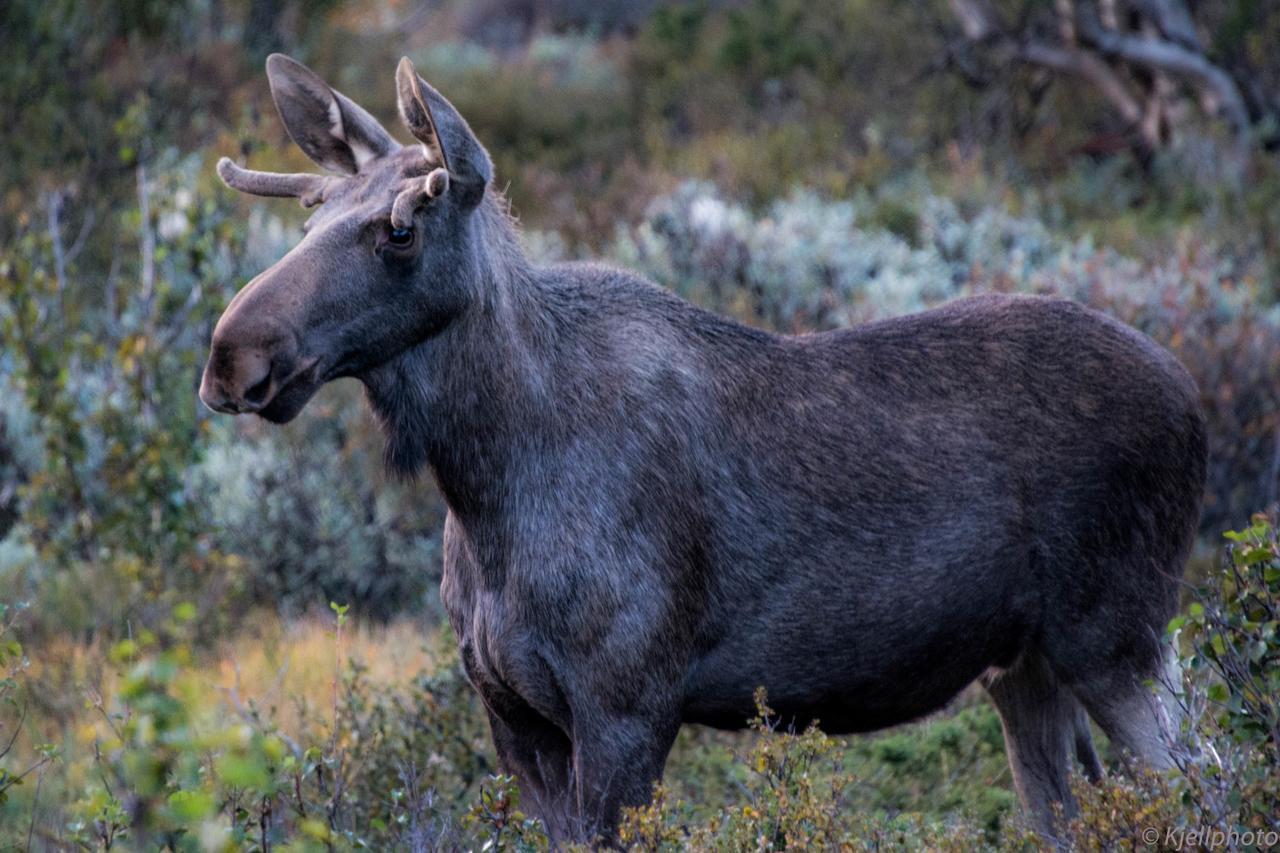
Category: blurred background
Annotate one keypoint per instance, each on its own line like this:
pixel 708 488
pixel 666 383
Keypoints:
pixel 191 602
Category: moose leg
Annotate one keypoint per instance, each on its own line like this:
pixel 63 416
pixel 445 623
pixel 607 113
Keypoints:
pixel 540 756
pixel 616 763
pixel 1085 753
pixel 1143 721
pixel 1042 731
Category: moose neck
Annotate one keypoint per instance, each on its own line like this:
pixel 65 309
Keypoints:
pixel 461 400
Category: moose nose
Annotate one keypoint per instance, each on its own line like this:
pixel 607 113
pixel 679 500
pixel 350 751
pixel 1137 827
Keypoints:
pixel 237 381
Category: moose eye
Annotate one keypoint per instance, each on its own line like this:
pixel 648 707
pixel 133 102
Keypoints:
pixel 400 237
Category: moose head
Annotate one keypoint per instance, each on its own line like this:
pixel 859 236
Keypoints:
pixel 389 257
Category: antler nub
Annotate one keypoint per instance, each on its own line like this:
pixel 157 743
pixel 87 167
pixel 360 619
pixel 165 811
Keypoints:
pixel 309 189
pixel 434 185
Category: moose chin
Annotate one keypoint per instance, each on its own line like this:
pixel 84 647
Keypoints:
pixel 654 510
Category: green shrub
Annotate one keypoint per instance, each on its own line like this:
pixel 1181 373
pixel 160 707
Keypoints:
pixel 1226 787
pixel 1232 635
pixel 114 477
pixel 797 793
pixel 377 769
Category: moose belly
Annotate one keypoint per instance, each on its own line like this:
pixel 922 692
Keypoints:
pixel 853 667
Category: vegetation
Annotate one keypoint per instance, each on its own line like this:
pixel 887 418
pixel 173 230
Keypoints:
pixel 172 670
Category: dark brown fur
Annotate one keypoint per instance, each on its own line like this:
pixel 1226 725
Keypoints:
pixel 654 510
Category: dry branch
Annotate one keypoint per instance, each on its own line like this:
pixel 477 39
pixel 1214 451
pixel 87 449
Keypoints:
pixel 1132 68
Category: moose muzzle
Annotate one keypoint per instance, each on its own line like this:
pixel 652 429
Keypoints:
pixel 254 356
pixel 237 380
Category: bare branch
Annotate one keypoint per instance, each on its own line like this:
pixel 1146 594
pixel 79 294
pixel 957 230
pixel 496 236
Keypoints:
pixel 976 19
pixel 53 203
pixel 1066 10
pixel 1177 60
pixel 16 731
pixel 980 24
pixel 1088 66
pixel 1173 19
pixel 1107 12
pixel 1093 43
pixel 148 248
pixel 86 225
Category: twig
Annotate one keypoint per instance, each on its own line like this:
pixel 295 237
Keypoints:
pixel 86 225
pixel 35 807
pixel 242 711
pixel 16 731
pixel 148 239
pixel 53 202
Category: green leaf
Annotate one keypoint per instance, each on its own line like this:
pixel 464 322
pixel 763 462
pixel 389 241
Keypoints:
pixel 190 806
pixel 238 771
pixel 1252 556
pixel 124 651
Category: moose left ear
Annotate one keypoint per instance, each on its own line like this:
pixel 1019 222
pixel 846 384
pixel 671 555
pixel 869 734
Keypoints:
pixel 330 128
pixel 446 138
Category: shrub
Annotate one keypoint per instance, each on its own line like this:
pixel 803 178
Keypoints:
pixel 406 764
pixel 112 476
pixel 558 122
pixel 309 514
pixel 797 794
pixel 802 265
pixel 1226 786
pixel 377 769
pixel 107 396
pixel 1232 635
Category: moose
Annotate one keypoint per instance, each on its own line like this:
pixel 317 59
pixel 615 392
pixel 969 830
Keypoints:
pixel 655 510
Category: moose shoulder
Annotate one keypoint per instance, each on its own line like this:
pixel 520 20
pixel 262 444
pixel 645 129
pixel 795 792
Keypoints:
pixel 654 510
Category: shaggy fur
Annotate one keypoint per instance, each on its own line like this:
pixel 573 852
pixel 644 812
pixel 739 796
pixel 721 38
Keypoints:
pixel 654 509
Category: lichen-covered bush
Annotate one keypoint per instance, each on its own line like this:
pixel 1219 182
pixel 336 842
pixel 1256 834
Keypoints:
pixel 803 264
pixel 310 514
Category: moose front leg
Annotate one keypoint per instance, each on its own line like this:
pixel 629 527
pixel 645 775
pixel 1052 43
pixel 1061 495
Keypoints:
pixel 540 756
pixel 616 761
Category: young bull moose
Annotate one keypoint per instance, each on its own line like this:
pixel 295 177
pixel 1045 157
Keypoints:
pixel 653 509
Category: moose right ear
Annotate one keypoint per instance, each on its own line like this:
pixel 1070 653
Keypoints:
pixel 446 138
pixel 329 127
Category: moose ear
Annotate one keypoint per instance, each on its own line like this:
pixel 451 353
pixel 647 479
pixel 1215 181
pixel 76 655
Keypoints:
pixel 329 127
pixel 446 138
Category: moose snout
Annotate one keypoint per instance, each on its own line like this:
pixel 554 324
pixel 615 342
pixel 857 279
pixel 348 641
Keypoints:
pixel 240 379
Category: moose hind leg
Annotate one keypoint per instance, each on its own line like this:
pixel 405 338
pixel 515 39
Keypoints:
pixel 1085 753
pixel 1042 731
pixel 1144 720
